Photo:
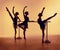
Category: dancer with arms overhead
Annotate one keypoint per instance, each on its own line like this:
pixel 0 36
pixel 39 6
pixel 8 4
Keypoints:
pixel 24 24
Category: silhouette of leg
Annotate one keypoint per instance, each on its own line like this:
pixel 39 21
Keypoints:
pixel 18 34
pixel 15 33
pixel 24 33
pixel 21 26
pixel 42 35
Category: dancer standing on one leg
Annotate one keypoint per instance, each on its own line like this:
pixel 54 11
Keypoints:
pixel 24 24
pixel 42 23
pixel 14 19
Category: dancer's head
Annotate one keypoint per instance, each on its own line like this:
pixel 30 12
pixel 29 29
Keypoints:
pixel 26 13
pixel 16 14
pixel 40 15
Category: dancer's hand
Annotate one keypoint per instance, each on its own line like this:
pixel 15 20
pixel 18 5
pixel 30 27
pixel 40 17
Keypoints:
pixel 25 7
pixel 43 7
pixel 13 10
pixel 13 7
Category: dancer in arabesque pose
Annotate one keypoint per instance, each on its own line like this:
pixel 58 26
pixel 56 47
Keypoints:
pixel 42 23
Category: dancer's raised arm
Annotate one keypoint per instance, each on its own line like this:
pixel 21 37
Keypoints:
pixel 42 9
pixel 41 13
pixel 9 13
pixel 13 10
pixel 24 10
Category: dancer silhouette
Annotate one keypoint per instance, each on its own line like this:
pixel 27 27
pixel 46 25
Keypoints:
pixel 42 23
pixel 24 24
pixel 15 19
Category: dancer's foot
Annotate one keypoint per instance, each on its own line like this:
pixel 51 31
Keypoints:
pixel 18 38
pixel 42 41
pixel 25 38
pixel 47 41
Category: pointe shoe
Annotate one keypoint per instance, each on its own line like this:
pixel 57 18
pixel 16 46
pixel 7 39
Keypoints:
pixel 42 41
pixel 47 41
pixel 19 38
pixel 25 38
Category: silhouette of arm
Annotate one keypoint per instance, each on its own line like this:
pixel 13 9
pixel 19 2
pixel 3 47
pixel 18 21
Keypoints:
pixel 19 19
pixel 13 10
pixel 42 10
pixel 24 10
pixel 28 21
pixel 32 21
pixel 50 17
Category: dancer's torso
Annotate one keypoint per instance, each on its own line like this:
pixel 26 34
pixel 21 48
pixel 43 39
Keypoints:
pixel 41 23
pixel 26 19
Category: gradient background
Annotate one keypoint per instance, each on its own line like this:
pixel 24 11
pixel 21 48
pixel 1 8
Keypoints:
pixel 34 7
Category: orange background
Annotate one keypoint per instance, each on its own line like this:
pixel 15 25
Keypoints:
pixel 34 7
